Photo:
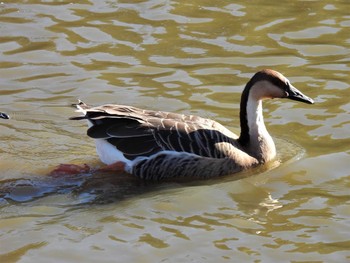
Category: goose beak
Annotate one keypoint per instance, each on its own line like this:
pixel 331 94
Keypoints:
pixel 295 94
pixel 4 116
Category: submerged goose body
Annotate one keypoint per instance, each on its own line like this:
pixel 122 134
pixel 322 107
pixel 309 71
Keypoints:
pixel 156 144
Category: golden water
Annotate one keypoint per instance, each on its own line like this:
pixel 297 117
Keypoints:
pixel 183 56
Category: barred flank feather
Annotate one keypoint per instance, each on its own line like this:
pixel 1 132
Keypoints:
pixel 162 166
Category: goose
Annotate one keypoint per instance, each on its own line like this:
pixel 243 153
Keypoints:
pixel 155 145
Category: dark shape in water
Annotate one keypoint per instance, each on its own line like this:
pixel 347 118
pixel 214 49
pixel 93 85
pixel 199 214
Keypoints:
pixel 4 116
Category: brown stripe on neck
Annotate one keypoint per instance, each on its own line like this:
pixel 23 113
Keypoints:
pixel 244 137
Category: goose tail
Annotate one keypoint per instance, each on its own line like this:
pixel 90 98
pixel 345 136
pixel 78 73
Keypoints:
pixel 81 107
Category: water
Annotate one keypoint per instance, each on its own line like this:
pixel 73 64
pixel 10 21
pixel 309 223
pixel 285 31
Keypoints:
pixel 189 57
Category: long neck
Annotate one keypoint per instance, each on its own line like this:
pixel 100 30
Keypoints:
pixel 254 137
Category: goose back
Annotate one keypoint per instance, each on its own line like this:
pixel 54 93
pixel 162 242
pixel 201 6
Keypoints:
pixel 136 132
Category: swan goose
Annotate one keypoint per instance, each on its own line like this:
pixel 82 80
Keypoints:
pixel 155 145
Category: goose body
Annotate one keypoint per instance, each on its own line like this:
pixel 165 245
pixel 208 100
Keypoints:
pixel 155 144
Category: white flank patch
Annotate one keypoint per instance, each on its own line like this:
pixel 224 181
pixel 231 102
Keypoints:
pixel 108 153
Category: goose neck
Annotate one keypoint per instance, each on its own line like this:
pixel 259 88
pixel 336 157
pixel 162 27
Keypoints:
pixel 254 137
pixel 255 119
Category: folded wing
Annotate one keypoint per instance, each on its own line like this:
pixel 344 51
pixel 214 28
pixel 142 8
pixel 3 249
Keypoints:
pixel 137 132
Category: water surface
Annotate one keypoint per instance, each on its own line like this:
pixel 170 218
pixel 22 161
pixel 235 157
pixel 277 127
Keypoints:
pixel 189 57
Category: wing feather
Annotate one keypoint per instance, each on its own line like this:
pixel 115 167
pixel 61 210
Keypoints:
pixel 137 132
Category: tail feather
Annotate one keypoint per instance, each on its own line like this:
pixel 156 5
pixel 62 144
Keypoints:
pixel 81 107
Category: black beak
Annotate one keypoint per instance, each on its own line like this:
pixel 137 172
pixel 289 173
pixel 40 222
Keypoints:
pixel 295 94
pixel 4 116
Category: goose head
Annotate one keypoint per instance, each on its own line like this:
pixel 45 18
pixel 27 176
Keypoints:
pixel 265 84
pixel 270 84
pixel 4 116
